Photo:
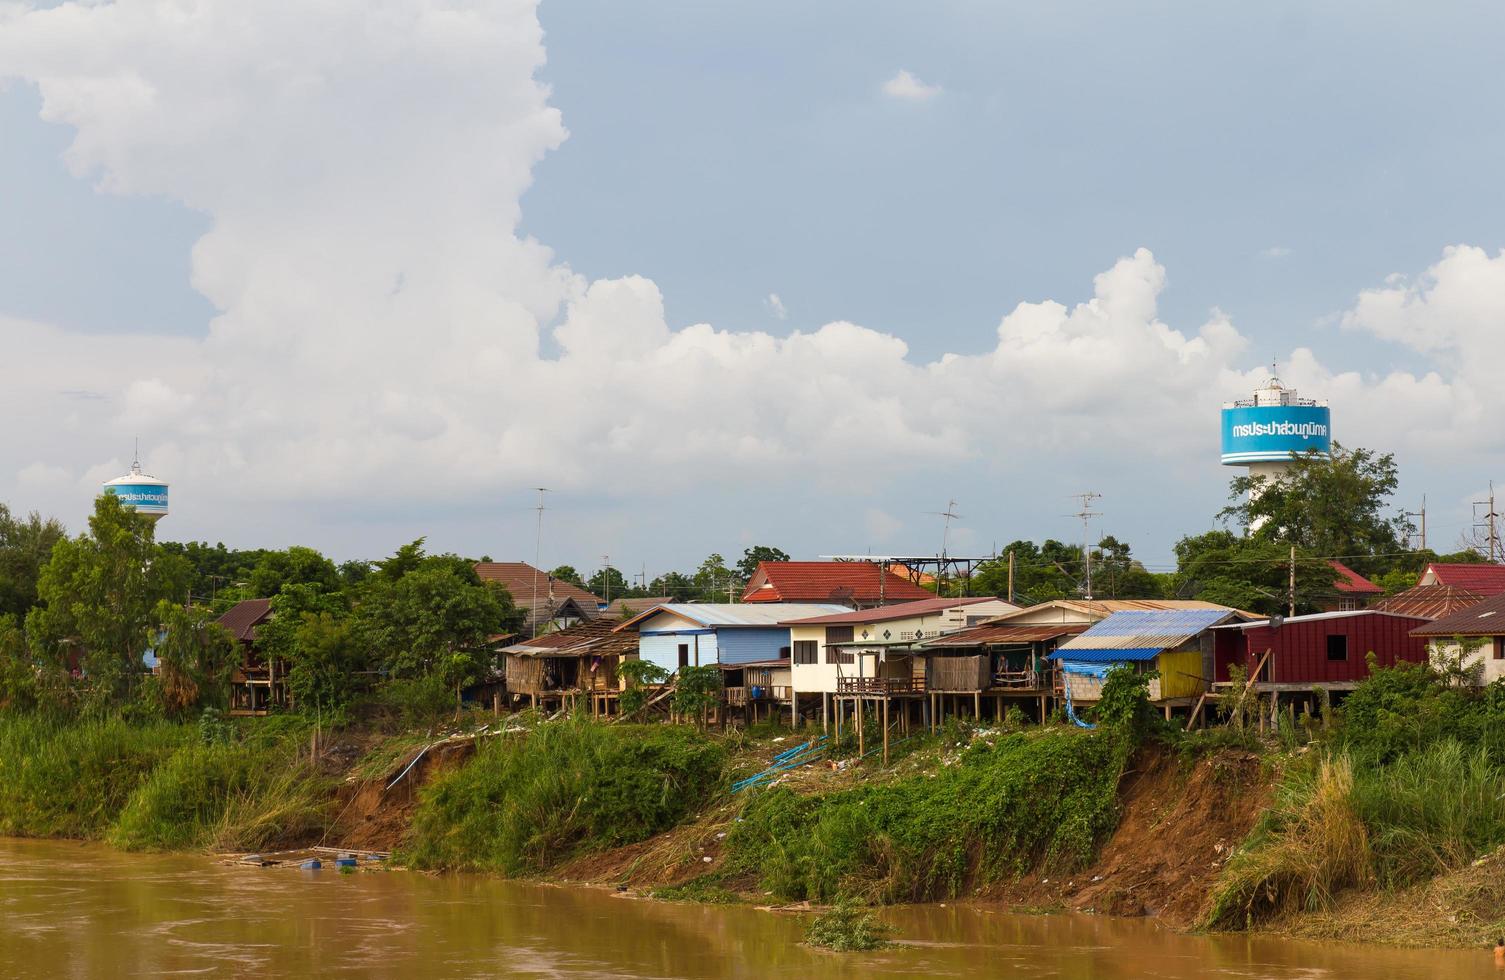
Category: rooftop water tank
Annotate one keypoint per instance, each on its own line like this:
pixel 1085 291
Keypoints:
pixel 141 492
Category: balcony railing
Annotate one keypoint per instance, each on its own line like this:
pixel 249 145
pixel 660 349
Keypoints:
pixel 880 685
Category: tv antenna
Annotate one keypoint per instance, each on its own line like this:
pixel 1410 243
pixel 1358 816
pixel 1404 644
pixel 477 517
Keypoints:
pixel 947 516
pixel 1488 522
pixel 606 577
pixel 1423 515
pixel 537 553
pixel 1085 515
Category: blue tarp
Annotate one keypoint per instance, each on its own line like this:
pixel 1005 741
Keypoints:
pixel 1108 656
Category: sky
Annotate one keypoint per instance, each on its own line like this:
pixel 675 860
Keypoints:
pixel 356 271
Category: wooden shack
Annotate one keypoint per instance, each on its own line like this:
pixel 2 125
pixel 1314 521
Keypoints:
pixel 578 662
pixel 258 684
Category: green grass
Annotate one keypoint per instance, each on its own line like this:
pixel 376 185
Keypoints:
pixel 526 802
pixel 1044 799
pixel 73 780
pixel 223 797
pixel 708 889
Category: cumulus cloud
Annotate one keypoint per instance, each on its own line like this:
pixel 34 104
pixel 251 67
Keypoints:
pixel 776 306
pixel 385 334
pixel 906 87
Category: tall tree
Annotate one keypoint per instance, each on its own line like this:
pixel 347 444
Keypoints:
pixel 1041 572
pixel 758 553
pixel 567 573
pixel 713 580
pixel 1116 574
pixel 675 585
pixel 99 594
pixel 608 583
pixel 294 566
pixel 195 655
pixel 25 546
pixel 1333 507
pixel 1248 573
pixel 216 568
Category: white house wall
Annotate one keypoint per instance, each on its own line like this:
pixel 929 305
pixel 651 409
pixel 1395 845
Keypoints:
pixel 1493 669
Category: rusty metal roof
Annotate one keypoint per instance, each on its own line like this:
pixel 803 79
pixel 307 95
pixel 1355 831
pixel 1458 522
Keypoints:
pixel 242 618
pixel 593 637
pixel 1486 618
pixel 1001 634
pixel 1429 601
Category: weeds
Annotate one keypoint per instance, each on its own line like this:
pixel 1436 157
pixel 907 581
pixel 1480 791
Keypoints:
pixel 847 929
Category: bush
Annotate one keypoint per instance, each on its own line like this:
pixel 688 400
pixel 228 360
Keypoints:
pixel 73 780
pixel 1046 799
pixel 406 704
pixel 847 929
pixel 223 796
pixel 525 803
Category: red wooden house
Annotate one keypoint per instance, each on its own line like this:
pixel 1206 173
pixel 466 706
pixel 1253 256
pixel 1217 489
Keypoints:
pixel 1329 650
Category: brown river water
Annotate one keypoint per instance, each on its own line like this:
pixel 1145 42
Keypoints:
pixel 81 910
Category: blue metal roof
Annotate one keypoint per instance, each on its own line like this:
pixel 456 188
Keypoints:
pixel 1157 629
pixel 1108 656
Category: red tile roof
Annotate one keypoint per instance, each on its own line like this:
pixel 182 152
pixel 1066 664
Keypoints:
pixel 242 618
pixel 883 614
pixel 1352 582
pixel 829 581
pixel 1481 578
pixel 1429 601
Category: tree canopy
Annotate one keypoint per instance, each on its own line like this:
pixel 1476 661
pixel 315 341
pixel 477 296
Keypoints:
pixel 25 546
pixel 758 553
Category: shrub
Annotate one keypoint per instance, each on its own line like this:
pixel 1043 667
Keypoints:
pixel 525 803
pixel 1046 799
pixel 847 929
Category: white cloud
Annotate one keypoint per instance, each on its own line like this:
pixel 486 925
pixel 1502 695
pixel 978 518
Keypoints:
pixel 380 329
pixel 908 88
pixel 776 306
pixel 1274 252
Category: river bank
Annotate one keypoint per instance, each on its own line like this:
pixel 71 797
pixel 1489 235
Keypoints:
pixel 1040 820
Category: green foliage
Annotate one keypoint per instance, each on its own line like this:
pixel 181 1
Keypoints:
pixel 418 611
pixel 1041 800
pixel 678 587
pixel 25 546
pixel 708 889
pixel 325 653
pixel 752 557
pixel 1325 506
pixel 195 657
pixel 696 690
pixel 1409 706
pixel 99 594
pixel 1248 573
pixel 638 675
pixel 847 928
pixel 219 575
pixel 412 703
pixel 608 583
pixel 1124 707
pixel 525 803
pixel 224 796
pixel 1041 572
pixel 215 728
pixel 72 780
pixel 276 570
pixel 567 573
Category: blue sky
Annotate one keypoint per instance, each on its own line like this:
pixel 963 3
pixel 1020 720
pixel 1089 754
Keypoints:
pixel 1278 161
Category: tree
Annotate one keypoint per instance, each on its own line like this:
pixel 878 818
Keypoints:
pixel 1248 573
pixel 675 585
pixel 414 625
pixel 1041 572
pixel 25 546
pixel 355 571
pixel 99 594
pixel 567 573
pixel 1116 574
pixel 216 569
pixel 321 658
pixel 607 583
pixel 295 566
pixel 758 553
pixel 195 655
pixel 1332 507
pixel 713 579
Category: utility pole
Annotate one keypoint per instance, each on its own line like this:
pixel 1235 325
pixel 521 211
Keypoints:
pixel 606 578
pixel 1291 589
pixel 1011 575
pixel 1086 514
pixel 1489 522
pixel 1423 515
pixel 537 554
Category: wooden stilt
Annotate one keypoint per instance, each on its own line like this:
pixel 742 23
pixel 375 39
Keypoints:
pixel 977 706
pixel 885 731
pixel 857 707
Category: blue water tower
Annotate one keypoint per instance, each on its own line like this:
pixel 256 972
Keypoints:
pixel 1266 432
pixel 143 493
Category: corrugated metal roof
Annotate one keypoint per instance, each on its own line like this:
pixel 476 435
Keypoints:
pixel 241 619
pixel 1158 630
pixel 996 635
pixel 1318 617
pixel 740 613
pixel 1429 601
pixel 1108 656
pixel 1481 577
pixel 899 610
pixel 1485 618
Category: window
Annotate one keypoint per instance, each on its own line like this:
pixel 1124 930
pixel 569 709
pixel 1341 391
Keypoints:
pixel 1349 605
pixel 684 654
pixel 839 634
pixel 1337 647
pixel 1500 648
pixel 806 652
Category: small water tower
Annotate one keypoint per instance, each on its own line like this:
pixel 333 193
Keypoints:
pixel 1265 432
pixel 141 492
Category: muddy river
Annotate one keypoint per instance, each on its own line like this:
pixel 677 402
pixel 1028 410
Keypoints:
pixel 73 910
